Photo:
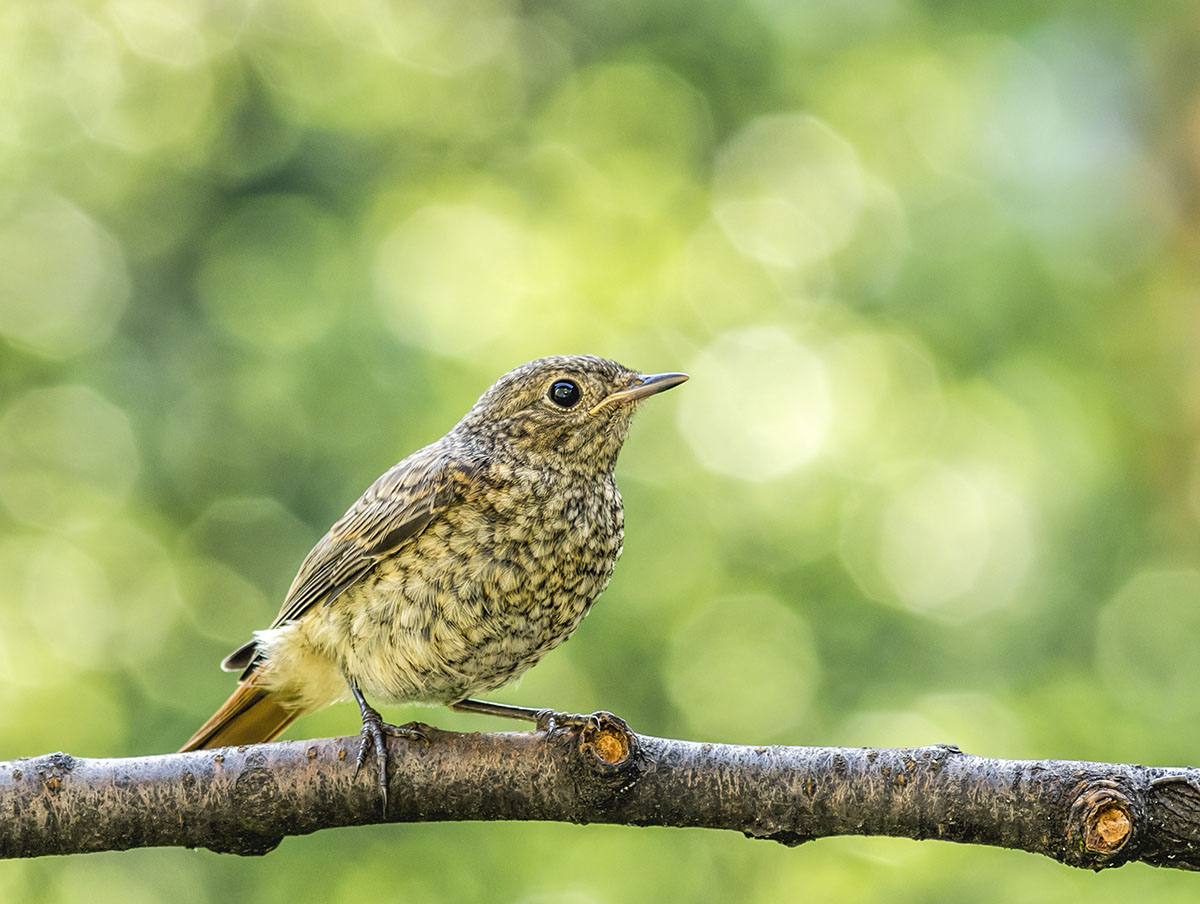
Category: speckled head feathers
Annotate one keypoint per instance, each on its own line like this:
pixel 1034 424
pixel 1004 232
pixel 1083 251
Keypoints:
pixel 572 409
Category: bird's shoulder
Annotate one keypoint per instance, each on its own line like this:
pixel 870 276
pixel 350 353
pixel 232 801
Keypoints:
pixel 410 493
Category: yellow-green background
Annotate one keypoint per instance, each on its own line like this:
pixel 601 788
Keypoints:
pixel 933 267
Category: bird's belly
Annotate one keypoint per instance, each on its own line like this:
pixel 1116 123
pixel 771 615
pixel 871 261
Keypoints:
pixel 437 634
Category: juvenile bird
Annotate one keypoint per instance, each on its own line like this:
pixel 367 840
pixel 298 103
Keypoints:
pixel 459 568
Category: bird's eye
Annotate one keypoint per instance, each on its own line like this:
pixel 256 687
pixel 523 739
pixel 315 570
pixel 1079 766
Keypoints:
pixel 564 393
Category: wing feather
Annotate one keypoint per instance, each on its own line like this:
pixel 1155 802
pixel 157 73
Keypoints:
pixel 392 512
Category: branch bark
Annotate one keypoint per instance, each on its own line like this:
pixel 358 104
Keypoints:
pixel 245 800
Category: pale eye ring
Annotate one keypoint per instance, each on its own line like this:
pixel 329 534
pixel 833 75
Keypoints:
pixel 564 393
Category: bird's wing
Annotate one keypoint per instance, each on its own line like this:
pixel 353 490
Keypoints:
pixel 393 510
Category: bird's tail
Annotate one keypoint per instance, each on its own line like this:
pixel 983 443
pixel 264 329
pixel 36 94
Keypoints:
pixel 249 716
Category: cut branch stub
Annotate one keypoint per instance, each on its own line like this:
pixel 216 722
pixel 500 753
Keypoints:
pixel 607 741
pixel 605 756
pixel 1101 822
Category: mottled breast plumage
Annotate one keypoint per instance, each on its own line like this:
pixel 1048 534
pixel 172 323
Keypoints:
pixel 486 590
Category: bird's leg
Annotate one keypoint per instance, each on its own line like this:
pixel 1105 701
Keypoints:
pixel 373 730
pixel 545 719
pixel 506 710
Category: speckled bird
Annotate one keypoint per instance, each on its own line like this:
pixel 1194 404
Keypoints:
pixel 459 568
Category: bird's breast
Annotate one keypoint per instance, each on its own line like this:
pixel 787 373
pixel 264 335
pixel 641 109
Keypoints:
pixel 485 591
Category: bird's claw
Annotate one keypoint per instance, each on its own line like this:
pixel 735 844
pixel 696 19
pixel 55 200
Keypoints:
pixel 372 736
pixel 549 721
pixel 373 731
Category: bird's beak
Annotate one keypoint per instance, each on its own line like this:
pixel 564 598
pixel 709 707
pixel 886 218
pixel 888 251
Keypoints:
pixel 645 385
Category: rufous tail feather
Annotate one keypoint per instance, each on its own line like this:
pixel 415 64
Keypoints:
pixel 249 716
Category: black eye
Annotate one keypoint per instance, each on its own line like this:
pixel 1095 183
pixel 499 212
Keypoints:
pixel 564 393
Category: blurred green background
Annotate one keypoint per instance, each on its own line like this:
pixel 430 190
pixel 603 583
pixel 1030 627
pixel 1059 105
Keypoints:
pixel 934 268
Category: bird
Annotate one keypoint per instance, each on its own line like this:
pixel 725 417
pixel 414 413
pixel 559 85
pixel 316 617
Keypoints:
pixel 458 569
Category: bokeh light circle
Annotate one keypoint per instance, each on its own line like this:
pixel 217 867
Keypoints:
pixel 762 407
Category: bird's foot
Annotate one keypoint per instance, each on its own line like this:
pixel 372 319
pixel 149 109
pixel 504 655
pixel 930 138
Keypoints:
pixel 549 720
pixel 373 732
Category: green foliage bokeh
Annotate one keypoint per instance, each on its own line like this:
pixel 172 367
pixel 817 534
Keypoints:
pixel 934 268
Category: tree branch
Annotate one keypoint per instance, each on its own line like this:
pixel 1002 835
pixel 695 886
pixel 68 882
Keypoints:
pixel 245 800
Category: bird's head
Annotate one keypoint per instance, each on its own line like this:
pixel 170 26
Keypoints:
pixel 570 410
